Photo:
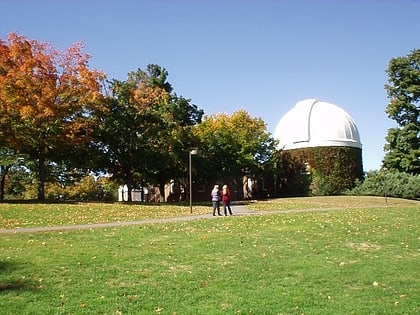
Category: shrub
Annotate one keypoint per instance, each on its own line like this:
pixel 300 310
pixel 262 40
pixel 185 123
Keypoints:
pixel 388 183
pixel 92 189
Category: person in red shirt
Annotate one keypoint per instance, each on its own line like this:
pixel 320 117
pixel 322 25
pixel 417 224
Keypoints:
pixel 226 199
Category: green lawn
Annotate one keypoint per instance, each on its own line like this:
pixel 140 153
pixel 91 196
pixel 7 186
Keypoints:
pixel 359 257
pixel 15 215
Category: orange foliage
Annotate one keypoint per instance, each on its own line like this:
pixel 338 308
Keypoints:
pixel 43 89
pixel 145 96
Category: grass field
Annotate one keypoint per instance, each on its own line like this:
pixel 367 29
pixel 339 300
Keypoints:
pixel 359 257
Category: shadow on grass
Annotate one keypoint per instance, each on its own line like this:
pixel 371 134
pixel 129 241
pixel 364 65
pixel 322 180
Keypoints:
pixel 7 285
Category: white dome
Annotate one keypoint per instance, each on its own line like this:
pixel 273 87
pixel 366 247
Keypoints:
pixel 314 123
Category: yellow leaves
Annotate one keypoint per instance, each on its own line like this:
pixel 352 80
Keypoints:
pixel 20 216
pixel 27 112
pixel 365 246
pixel 239 130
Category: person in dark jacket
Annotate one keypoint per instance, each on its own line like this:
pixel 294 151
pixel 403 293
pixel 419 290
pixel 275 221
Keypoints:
pixel 215 199
pixel 226 199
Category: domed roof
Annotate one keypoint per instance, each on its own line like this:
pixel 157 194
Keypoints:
pixel 315 123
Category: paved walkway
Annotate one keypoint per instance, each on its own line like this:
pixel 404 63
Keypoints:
pixel 236 209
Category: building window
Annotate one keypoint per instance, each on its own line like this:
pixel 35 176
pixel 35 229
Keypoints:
pixel 306 169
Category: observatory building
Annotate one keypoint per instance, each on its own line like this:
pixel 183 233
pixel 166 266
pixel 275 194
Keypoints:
pixel 314 123
pixel 325 140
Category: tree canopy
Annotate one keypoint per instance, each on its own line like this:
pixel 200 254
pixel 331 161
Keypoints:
pixel 403 142
pixel 145 129
pixel 232 146
pixel 47 100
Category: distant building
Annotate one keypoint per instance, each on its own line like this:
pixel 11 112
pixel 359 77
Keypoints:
pixel 325 139
pixel 315 123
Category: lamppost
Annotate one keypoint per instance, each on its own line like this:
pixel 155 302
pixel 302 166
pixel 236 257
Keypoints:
pixel 191 152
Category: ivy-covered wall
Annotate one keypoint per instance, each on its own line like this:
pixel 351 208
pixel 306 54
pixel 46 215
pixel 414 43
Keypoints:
pixel 331 170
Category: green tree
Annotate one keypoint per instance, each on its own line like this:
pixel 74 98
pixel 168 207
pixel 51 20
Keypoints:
pixel 47 101
pixel 233 146
pixel 177 141
pixel 125 131
pixel 403 142
pixel 146 130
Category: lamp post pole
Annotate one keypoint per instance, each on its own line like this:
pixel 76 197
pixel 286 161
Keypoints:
pixel 191 152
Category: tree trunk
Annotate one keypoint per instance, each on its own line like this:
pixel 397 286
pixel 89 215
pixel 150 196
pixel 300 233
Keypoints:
pixel 129 189
pixel 3 172
pixel 162 191
pixel 42 170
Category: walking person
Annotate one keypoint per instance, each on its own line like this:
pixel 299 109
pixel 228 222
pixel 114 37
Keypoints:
pixel 226 199
pixel 215 199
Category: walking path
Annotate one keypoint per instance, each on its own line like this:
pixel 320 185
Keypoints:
pixel 236 209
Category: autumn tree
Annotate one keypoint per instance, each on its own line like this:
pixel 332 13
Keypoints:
pixel 145 129
pixel 403 142
pixel 233 146
pixel 47 100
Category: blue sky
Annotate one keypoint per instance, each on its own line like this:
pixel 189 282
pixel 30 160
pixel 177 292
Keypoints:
pixel 225 55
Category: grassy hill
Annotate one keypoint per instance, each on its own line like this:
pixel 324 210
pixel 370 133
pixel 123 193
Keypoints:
pixel 326 255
